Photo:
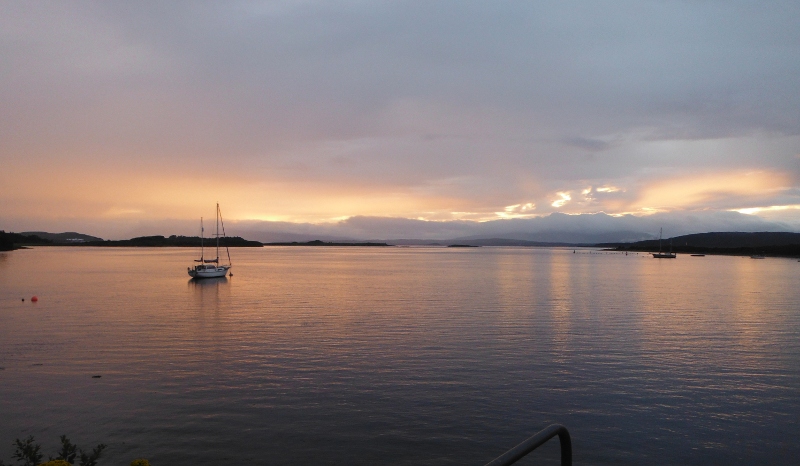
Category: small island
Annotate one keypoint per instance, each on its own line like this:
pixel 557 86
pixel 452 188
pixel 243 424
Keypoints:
pixel 317 242
pixel 175 241
pixel 11 241
pixel 775 244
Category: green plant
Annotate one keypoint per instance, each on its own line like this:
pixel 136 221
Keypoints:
pixel 91 460
pixel 27 451
pixel 68 450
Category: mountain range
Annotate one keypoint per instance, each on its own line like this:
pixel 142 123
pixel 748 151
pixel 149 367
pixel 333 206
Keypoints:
pixel 735 243
pixel 553 228
pixel 772 243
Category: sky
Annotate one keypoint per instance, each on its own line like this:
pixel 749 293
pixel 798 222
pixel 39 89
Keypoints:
pixel 391 119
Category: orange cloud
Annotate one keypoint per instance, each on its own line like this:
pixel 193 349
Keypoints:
pixel 99 193
pixel 565 197
pixel 710 190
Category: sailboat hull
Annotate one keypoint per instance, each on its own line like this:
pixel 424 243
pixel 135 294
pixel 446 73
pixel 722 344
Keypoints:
pixel 204 270
pixel 208 271
pixel 664 255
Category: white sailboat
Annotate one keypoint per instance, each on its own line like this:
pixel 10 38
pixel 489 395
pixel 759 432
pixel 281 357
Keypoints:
pixel 211 268
pixel 663 255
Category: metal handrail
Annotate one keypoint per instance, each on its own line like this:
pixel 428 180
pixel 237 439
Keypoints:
pixel 516 453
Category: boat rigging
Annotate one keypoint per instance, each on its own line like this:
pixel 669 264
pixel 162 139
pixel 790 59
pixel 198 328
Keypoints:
pixel 664 255
pixel 211 268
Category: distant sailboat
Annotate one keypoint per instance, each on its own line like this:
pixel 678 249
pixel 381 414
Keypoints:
pixel 205 269
pixel 663 255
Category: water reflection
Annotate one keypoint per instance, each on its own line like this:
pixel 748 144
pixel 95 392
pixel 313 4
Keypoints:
pixel 3 261
pixel 561 299
pixel 207 282
pixel 207 293
pixel 403 356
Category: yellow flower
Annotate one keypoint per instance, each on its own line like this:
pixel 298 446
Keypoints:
pixel 140 462
pixel 55 463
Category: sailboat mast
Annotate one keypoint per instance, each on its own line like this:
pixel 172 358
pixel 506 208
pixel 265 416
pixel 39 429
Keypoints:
pixel 217 234
pixel 222 222
pixel 201 241
pixel 660 231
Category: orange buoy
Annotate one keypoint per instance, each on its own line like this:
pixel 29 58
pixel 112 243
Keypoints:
pixel 34 299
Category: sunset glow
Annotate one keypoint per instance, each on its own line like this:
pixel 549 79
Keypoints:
pixel 128 125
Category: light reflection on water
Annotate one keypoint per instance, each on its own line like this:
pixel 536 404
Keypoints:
pixel 401 355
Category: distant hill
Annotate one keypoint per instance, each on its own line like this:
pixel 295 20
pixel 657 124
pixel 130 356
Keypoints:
pixel 173 241
pixel 769 243
pixel 411 242
pixel 299 237
pixel 738 239
pixel 67 237
pixel 742 243
pixel 323 243
pixel 11 241
pixel 516 242
pixel 554 237
pixel 487 242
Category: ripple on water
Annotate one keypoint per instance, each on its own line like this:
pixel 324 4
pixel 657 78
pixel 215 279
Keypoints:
pixel 401 356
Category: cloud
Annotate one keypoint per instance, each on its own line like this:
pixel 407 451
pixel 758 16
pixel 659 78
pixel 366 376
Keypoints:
pixel 718 188
pixel 308 112
pixel 564 199
pixel 554 227
pixel 526 210
pixel 593 145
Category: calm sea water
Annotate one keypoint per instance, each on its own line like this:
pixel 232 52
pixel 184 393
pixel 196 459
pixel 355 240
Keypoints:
pixel 401 356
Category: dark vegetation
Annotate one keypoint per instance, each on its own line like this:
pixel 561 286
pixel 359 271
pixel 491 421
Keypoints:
pixel 463 246
pixel 67 237
pixel 11 241
pixel 28 453
pixel 173 241
pixel 323 243
pixel 732 243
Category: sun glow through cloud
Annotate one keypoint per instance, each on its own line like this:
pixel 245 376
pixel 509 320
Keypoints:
pixel 697 191
pixel 565 198
pixel 517 211
pixel 303 115
pixel 774 208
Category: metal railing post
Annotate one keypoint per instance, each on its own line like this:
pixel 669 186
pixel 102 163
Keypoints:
pixel 534 442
